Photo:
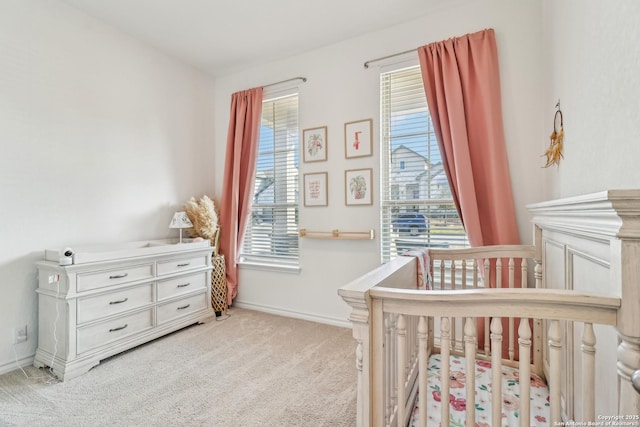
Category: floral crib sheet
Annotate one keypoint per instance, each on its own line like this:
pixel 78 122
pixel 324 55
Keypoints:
pixel 540 410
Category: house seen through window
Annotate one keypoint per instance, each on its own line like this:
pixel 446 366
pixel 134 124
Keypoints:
pixel 417 208
pixel 272 233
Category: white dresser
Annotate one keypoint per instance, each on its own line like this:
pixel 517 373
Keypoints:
pixel 113 298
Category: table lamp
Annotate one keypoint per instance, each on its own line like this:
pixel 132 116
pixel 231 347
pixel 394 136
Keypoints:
pixel 180 220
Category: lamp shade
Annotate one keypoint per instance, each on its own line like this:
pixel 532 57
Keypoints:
pixel 180 220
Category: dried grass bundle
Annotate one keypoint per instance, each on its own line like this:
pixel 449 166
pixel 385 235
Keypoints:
pixel 204 218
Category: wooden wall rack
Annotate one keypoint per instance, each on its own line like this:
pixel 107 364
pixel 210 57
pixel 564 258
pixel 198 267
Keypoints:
pixel 337 234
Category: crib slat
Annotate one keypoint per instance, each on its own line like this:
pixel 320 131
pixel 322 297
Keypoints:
pixel 445 372
pixel 464 274
pixel 389 371
pixel 499 273
pixel 402 361
pixel 487 334
pixel 512 275
pixel 524 273
pixel 524 340
pixel 496 370
pixel 487 273
pixel 423 333
pixel 555 353
pixel 512 353
pixel 475 273
pixel 470 340
pixel 453 275
pixel 588 348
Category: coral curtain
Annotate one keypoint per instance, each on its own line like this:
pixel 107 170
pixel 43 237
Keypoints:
pixel 239 177
pixel 462 83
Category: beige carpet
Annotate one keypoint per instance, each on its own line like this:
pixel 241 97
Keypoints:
pixel 253 369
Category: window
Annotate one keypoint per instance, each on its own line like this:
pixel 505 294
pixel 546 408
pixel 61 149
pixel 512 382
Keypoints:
pixel 271 237
pixel 417 208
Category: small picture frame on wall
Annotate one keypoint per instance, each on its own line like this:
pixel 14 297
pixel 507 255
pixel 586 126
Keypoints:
pixel 314 144
pixel 358 187
pixel 315 189
pixel 357 138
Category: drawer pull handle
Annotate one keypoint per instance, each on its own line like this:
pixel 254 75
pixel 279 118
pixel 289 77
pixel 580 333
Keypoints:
pixel 118 328
pixel 184 306
pixel 119 301
pixel 119 276
pixel 184 264
pixel 184 285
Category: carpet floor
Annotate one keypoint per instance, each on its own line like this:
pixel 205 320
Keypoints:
pixel 252 369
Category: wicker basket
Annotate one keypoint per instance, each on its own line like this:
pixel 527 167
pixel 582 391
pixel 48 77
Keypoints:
pixel 218 284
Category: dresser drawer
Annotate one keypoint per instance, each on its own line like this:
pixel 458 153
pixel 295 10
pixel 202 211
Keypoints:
pixel 181 264
pixel 99 306
pixel 180 285
pixel 116 276
pixel 182 307
pixel 96 335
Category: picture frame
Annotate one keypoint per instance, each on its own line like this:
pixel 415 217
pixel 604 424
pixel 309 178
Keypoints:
pixel 316 189
pixel 358 187
pixel 314 144
pixel 358 138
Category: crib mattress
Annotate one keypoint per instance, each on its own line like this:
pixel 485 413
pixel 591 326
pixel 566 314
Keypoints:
pixel 457 401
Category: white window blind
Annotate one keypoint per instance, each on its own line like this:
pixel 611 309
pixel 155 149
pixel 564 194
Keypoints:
pixel 271 237
pixel 417 208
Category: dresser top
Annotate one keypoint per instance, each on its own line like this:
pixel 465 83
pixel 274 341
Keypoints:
pixel 107 252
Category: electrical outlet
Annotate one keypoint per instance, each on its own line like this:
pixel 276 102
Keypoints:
pixel 20 334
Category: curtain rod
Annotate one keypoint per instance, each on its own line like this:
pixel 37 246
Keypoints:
pixel 304 79
pixel 366 64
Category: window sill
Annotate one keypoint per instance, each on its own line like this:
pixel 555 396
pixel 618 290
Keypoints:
pixel 279 268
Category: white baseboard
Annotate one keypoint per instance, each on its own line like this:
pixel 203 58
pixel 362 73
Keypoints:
pixel 294 314
pixel 16 364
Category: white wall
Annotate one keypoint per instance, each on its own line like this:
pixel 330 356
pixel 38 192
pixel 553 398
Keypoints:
pixel 101 138
pixel 592 64
pixel 339 90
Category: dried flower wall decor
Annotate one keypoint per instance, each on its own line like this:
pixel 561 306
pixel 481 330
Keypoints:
pixel 554 152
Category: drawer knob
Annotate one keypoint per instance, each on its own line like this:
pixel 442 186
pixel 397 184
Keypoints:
pixel 184 306
pixel 184 264
pixel 184 285
pixel 119 276
pixel 119 301
pixel 119 328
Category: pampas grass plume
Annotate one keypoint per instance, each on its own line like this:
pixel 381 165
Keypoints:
pixel 203 216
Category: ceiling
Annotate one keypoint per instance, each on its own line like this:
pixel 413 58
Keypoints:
pixel 223 36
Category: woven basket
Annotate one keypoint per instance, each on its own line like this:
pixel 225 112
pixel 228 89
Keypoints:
pixel 218 284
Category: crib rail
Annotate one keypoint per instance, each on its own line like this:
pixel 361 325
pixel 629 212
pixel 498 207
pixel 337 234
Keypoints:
pixel 400 334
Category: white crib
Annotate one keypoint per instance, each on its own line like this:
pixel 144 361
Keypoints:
pixel 565 311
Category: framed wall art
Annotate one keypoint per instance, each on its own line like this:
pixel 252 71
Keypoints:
pixel 358 187
pixel 314 143
pixel 357 138
pixel 315 189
